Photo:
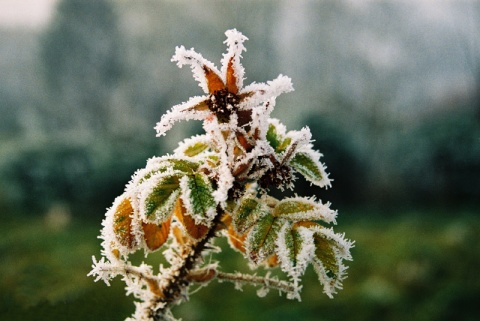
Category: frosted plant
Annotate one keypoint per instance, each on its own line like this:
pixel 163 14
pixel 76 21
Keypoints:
pixel 217 184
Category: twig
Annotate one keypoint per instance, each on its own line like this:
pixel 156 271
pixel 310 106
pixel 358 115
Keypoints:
pixel 267 282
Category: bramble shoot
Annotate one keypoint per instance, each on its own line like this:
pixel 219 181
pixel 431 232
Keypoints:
pixel 217 185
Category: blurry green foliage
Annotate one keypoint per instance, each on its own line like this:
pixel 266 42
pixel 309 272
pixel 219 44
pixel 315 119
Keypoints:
pixel 86 177
pixel 420 265
pixel 345 165
pixel 108 79
pixel 82 48
pixel 450 168
pixel 432 160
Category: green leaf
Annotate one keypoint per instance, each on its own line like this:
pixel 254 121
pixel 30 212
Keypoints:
pixel 295 249
pixel 275 140
pixel 310 167
pixel 272 137
pixel 195 149
pixel 291 206
pixel 304 209
pixel 283 146
pixel 247 213
pixel 324 252
pixel 330 251
pixel 160 200
pixel 194 146
pixel 162 164
pixel 261 238
pixel 197 196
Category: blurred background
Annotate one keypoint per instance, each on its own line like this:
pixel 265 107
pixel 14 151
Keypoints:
pixel 390 90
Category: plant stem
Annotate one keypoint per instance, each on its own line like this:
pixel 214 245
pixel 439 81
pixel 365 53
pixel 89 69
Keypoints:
pixel 282 286
pixel 176 286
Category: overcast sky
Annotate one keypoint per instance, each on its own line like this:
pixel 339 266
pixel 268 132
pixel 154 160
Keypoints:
pixel 25 13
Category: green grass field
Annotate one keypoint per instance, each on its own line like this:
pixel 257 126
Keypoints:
pixel 413 266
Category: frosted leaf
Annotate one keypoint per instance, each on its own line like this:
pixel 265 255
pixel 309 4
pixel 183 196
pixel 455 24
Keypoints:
pixel 275 135
pixel 188 225
pixel 264 92
pixel 155 235
pixel 197 63
pixel 342 244
pixel 158 165
pixel 193 146
pixel 295 249
pixel 331 250
pixel 235 46
pixel 158 196
pixel 280 128
pixel 121 232
pixel 330 284
pixel 247 212
pixel 169 164
pixel 307 162
pixel 197 197
pixel 301 138
pixel 304 209
pixel 260 242
pixel 185 111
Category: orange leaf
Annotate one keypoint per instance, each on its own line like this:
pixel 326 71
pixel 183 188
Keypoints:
pixel 116 253
pixel 231 78
pixel 156 235
pixel 195 231
pixel 272 261
pixel 226 219
pixel 155 288
pixel 179 236
pixel 236 241
pixel 214 82
pixel 122 224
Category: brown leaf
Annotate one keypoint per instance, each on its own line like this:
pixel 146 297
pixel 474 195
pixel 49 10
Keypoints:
pixel 244 118
pixel 214 82
pixel 201 106
pixel 231 78
pixel 195 231
pixel 243 141
pixel 155 288
pixel 156 235
pixel 122 223
pixel 240 169
pixel 202 275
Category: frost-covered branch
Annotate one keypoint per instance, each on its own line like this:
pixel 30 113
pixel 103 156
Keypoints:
pixel 265 282
pixel 218 185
